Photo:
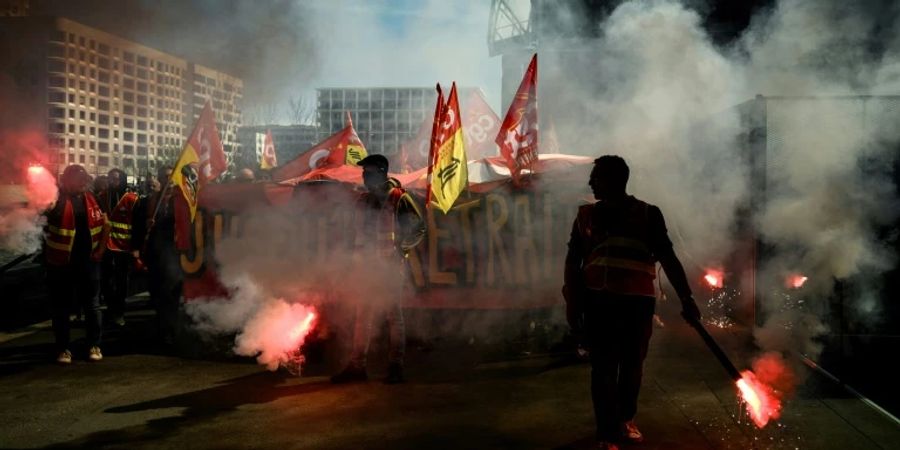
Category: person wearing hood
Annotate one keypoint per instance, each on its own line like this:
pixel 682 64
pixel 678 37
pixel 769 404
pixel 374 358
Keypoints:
pixel 74 242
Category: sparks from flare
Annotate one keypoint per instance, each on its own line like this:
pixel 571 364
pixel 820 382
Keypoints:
pixel 760 401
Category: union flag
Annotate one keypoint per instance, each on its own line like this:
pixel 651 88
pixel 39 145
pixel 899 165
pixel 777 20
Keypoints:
pixel 269 160
pixel 449 174
pixel 202 159
pixel 343 147
pixel 518 136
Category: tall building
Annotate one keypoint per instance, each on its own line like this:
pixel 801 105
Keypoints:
pixel 383 117
pixel 106 101
pixel 289 140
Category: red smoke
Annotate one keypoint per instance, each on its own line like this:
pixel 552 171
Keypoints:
pixel 41 187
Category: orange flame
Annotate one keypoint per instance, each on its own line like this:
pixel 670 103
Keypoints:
pixel 761 402
pixel 714 278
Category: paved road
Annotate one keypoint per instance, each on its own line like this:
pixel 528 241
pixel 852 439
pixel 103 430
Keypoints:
pixel 140 396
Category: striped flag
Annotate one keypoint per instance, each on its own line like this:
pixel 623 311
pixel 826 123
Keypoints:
pixel 449 175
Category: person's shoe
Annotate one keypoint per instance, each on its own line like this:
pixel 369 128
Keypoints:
pixel 350 374
pixel 395 374
pixel 94 354
pixel 630 431
pixel 65 357
pixel 605 445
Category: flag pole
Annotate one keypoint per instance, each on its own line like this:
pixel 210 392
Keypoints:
pixel 438 112
pixel 162 196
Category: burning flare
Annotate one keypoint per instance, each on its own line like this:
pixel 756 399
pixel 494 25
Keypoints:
pixel 796 281
pixel 760 400
pixel 278 329
pixel 715 279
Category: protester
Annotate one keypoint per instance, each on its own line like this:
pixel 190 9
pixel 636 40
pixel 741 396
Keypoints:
pixel 391 227
pixel 610 295
pixel 75 240
pixel 118 204
pixel 154 240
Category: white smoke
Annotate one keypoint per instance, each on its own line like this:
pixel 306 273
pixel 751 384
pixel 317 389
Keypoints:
pixel 21 219
pixel 654 88
pixel 276 279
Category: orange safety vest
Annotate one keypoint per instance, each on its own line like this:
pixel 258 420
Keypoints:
pixel 619 258
pixel 60 231
pixel 120 223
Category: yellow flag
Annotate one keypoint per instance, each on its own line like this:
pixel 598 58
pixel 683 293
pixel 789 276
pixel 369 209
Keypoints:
pixel 201 160
pixel 449 176
pixel 356 151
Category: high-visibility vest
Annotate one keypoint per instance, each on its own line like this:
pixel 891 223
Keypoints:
pixel 385 221
pixel 60 231
pixel 120 223
pixel 619 259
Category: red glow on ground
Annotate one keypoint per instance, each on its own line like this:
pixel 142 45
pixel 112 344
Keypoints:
pixel 760 401
pixel 796 281
pixel 714 278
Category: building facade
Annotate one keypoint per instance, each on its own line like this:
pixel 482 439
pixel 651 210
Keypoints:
pixel 383 117
pixel 109 102
pixel 290 141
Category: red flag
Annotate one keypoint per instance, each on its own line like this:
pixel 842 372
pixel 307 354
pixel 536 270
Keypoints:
pixel 343 147
pixel 518 136
pixel 480 123
pixel 269 160
pixel 449 164
pixel 435 139
pixel 202 159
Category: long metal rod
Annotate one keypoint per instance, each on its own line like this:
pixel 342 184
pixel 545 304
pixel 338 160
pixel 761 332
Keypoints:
pixel 717 351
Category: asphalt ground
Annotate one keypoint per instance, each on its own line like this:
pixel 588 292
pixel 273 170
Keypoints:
pixel 460 394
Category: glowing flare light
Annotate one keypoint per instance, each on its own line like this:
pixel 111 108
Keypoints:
pixel 298 333
pixel 796 281
pixel 278 329
pixel 715 279
pixel 41 187
pixel 760 401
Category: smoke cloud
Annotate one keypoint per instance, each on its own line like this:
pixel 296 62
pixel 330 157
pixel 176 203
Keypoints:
pixel 651 85
pixel 655 88
pixel 286 48
pixel 26 187
pixel 278 277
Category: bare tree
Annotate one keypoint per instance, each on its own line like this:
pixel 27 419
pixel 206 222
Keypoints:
pixel 301 110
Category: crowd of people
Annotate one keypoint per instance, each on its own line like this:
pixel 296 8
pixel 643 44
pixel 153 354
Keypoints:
pixel 99 231
pixel 94 239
